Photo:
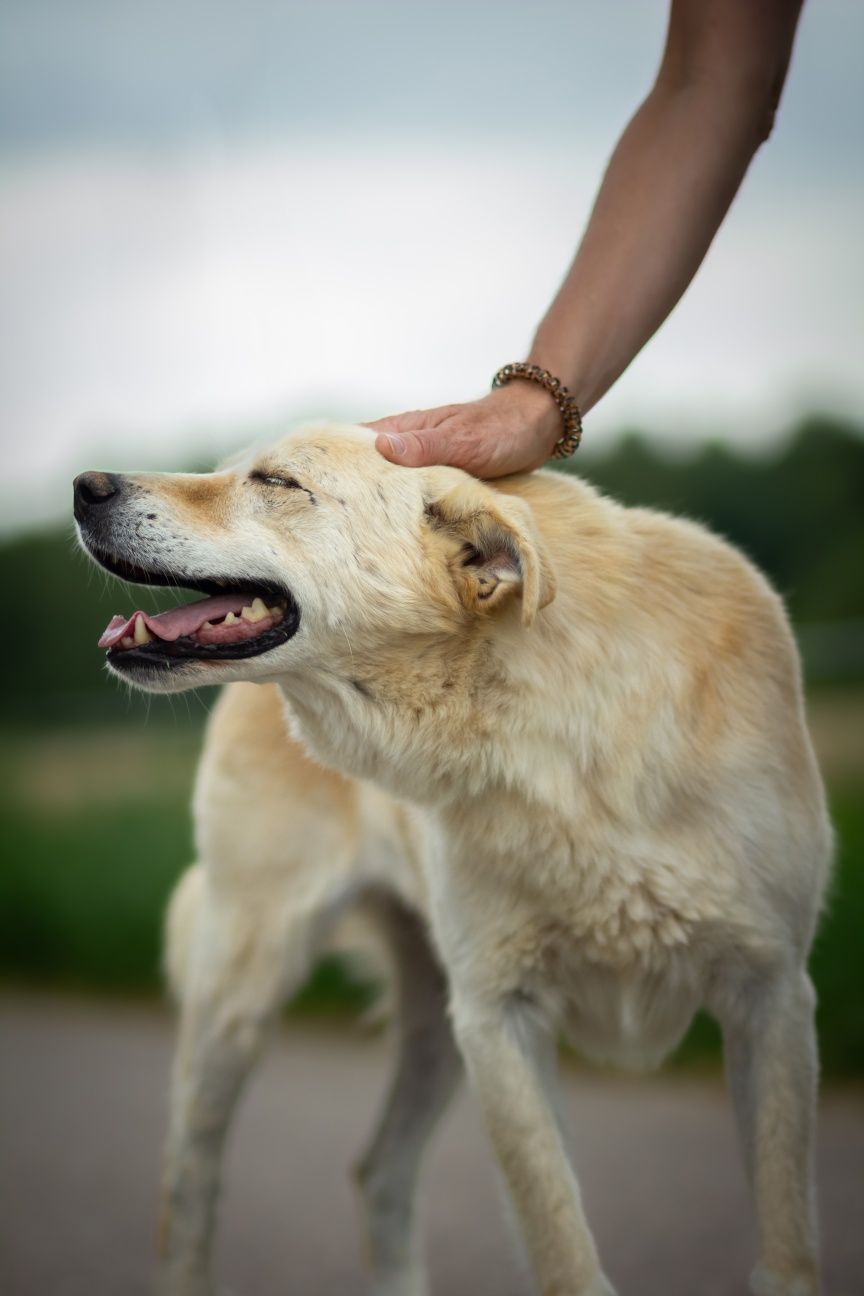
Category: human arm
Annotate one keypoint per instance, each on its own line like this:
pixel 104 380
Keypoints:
pixel 669 183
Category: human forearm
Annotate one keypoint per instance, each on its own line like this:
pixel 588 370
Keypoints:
pixel 678 164
pixel 666 190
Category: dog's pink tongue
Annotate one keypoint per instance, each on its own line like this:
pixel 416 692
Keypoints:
pixel 175 623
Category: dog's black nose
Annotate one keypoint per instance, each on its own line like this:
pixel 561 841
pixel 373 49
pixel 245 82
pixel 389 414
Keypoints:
pixel 93 490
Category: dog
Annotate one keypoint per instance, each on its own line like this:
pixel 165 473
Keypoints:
pixel 552 749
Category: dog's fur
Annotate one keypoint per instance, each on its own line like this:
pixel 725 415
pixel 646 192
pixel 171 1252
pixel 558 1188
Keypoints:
pixel 569 741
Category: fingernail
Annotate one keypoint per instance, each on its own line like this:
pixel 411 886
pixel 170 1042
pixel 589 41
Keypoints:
pixel 397 443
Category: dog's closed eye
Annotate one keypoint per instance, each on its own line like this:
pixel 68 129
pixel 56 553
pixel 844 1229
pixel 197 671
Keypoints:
pixel 274 479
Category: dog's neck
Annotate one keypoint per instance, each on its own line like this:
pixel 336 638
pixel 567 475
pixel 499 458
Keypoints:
pixel 429 722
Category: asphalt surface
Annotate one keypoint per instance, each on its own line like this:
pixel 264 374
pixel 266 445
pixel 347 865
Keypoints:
pixel 83 1090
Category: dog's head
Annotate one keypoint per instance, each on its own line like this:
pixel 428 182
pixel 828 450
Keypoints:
pixel 312 550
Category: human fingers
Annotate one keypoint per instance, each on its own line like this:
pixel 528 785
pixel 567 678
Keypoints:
pixel 505 432
pixel 411 449
pixel 420 437
pixel 413 420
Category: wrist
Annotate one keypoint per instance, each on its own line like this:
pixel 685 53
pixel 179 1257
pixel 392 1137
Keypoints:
pixel 566 368
pixel 533 406
pixel 562 398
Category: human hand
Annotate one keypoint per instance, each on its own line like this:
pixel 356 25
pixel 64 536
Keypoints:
pixel 513 429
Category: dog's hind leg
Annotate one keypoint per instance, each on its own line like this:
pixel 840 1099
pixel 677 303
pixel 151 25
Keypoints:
pixel 426 1073
pixel 771 1061
pixel 232 966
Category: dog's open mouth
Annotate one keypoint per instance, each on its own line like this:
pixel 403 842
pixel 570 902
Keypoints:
pixel 236 619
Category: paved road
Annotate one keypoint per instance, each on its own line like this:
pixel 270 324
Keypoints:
pixel 82 1096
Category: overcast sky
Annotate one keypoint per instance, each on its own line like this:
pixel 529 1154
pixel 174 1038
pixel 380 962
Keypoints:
pixel 217 216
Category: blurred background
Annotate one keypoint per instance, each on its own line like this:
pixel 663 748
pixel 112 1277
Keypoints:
pixel 220 218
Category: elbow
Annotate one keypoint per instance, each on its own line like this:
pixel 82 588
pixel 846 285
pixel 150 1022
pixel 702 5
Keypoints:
pixel 733 58
pixel 746 99
pixel 760 103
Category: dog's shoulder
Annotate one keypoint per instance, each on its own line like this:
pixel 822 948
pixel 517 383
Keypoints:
pixel 622 564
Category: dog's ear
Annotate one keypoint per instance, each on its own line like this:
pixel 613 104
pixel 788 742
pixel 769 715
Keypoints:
pixel 495 550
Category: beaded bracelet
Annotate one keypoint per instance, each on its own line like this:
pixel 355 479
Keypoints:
pixel 567 407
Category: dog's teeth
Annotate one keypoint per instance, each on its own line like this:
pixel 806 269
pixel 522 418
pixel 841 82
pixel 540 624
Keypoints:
pixel 274 611
pixel 256 611
pixel 230 619
pixel 208 625
pixel 127 642
pixel 142 634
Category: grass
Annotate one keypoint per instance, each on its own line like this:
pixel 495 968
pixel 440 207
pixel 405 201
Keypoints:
pixel 96 829
pixel 837 963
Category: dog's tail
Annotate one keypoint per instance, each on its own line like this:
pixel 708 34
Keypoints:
pixel 180 919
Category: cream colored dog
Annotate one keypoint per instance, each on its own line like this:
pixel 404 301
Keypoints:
pixel 568 734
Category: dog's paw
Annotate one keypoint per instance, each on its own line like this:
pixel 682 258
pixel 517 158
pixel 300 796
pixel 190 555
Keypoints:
pixel 765 1283
pixel 601 1287
pixel 172 1283
pixel 402 1282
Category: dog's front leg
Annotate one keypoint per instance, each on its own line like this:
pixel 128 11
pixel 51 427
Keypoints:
pixel 503 1049
pixel 241 963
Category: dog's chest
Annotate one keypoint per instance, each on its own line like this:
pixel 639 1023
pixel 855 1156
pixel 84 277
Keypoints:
pixel 614 1005
pixel 626 909
pixel 612 940
pixel 632 1021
